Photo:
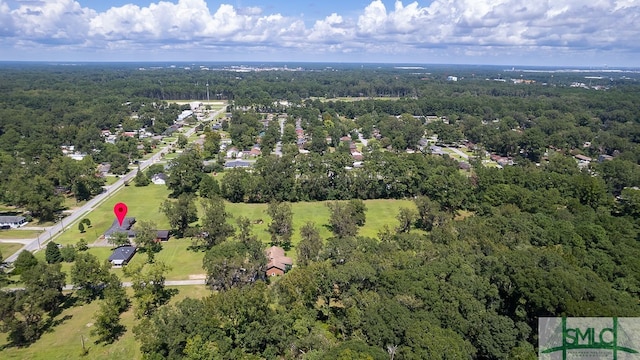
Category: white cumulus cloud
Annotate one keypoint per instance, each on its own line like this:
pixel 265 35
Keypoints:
pixel 404 27
pixel 49 21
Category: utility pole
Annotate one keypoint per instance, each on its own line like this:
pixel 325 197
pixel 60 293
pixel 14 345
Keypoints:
pixel 84 349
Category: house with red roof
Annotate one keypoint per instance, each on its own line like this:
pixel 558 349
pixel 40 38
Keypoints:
pixel 277 264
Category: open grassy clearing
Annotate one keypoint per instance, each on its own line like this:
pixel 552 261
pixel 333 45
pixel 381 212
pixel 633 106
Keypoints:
pixel 350 99
pixel 110 180
pixel 379 213
pixel 171 156
pixel 214 104
pixel 184 263
pixel 8 249
pixel 19 234
pixel 64 340
pixel 9 210
pixel 70 202
pixel 143 204
pixel 465 150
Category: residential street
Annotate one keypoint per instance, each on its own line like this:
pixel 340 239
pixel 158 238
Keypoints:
pixel 457 151
pixel 50 232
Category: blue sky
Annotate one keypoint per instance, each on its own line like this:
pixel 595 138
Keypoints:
pixel 506 32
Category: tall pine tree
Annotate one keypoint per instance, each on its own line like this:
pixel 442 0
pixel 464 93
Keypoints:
pixel 52 253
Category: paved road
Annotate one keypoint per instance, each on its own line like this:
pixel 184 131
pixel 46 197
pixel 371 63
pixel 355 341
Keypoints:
pixel 364 141
pixel 52 231
pixel 278 151
pixel 464 156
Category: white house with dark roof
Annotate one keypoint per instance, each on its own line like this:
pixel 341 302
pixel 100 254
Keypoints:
pixel 159 178
pixel 122 255
pixel 237 164
pixel 13 222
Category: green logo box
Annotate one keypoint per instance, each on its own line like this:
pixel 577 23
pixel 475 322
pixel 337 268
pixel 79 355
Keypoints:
pixel 616 338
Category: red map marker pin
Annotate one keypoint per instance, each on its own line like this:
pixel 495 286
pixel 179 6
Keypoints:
pixel 121 211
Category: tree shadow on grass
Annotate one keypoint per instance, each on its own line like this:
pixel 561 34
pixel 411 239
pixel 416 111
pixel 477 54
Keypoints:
pixel 51 323
pixel 69 302
pixel 113 336
pixel 169 293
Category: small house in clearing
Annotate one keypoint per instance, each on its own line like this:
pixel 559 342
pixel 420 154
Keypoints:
pixel 159 178
pixel 122 255
pixel 127 223
pixel 237 164
pixel 12 221
pixel 278 263
pixel 162 235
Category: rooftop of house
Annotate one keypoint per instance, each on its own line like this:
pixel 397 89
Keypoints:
pixel 122 254
pixel 274 252
pixel 127 223
pixel 277 259
pixel 582 157
pixel 12 219
pixel 160 176
pixel 237 163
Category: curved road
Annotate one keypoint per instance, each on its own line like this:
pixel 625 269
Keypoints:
pixel 82 211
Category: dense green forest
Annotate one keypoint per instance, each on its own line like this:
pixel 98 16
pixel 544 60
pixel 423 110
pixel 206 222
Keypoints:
pixel 466 273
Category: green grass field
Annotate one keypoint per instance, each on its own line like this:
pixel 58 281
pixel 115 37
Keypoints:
pixel 110 180
pixel 19 234
pixel 8 249
pixel 183 263
pixel 351 99
pixel 379 213
pixel 144 204
pixel 64 341
pixel 171 156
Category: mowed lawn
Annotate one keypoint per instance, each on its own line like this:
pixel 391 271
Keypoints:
pixel 184 264
pixel 8 249
pixel 64 341
pixel 187 264
pixel 19 234
pixel 379 213
pixel 144 202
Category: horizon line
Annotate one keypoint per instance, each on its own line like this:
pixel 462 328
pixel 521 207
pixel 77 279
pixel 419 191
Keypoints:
pixel 192 62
